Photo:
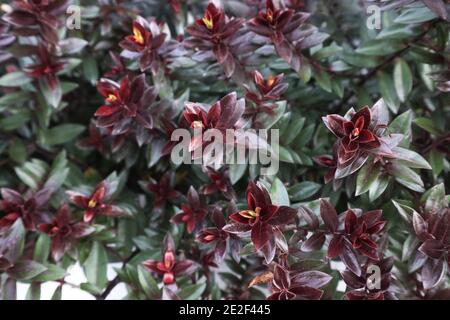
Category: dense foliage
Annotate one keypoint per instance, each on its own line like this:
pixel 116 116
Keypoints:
pixel 91 92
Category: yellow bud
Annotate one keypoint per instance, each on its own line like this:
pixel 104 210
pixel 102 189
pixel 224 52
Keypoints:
pixel 250 214
pixel 111 98
pixel 138 37
pixel 270 80
pixel 92 203
pixel 208 22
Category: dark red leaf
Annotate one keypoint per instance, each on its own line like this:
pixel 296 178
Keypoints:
pixel 329 215
pixel 420 226
pixel 313 279
pixel 432 272
pixel 236 228
pixel 307 292
pixel 261 234
pixel 314 243
pixel 433 248
pixel 283 215
pixel 335 247
pixel 281 277
pixel 350 260
pixel 309 216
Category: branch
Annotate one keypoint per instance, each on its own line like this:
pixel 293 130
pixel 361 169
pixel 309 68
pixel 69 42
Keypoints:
pixel 381 66
pixel 114 282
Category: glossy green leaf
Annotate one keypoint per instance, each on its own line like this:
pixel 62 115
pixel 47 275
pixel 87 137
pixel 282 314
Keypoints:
pixel 428 125
pixel 96 264
pixel 15 79
pixel 192 292
pixel 415 15
pixel 42 248
pixel 26 270
pixel 61 134
pixel 387 90
pixel 148 284
pixel 402 79
pixel 279 194
pixel 303 190
pixel 34 292
pixel 367 176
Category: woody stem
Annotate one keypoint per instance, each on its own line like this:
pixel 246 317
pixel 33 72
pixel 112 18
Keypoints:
pixel 114 282
pixel 382 65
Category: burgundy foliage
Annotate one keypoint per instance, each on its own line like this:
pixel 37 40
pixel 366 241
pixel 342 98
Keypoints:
pixel 433 234
pixel 95 204
pixel 193 212
pixel 41 13
pixel 306 285
pixel 127 106
pixel 29 207
pixel 47 67
pixel 261 219
pixel 89 116
pixel 144 44
pixel 63 231
pixel 281 27
pixel 170 268
pixel 374 283
pixel 213 34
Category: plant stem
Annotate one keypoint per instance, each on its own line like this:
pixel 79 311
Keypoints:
pixel 114 282
pixel 381 66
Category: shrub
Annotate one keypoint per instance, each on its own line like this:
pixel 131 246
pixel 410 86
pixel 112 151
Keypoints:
pixel 95 93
